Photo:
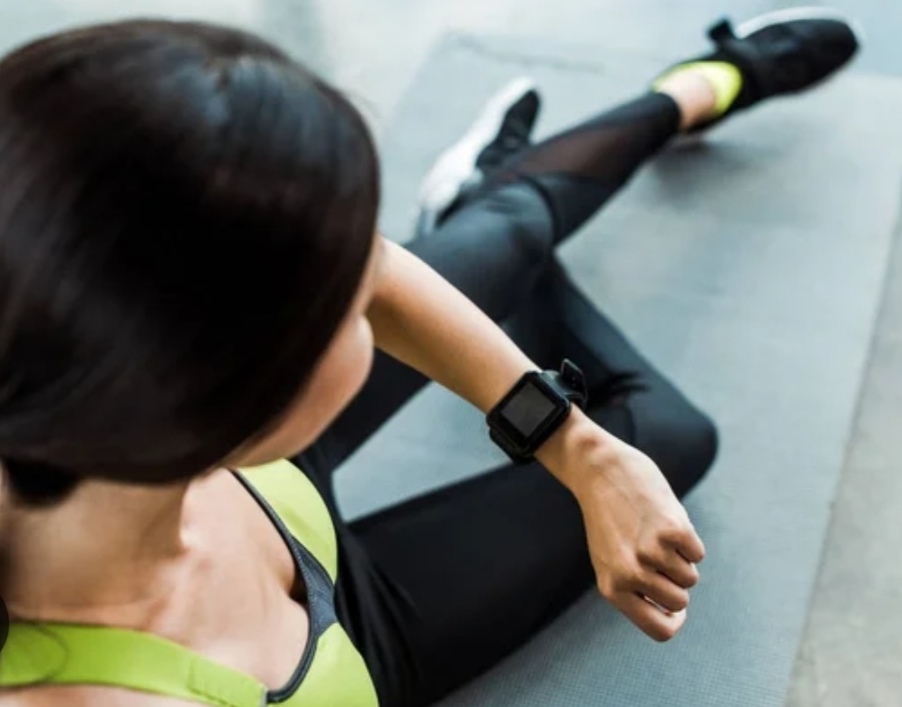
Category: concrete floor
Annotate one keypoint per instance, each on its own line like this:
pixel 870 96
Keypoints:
pixel 852 650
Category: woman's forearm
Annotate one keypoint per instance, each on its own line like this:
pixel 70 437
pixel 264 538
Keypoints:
pixel 421 319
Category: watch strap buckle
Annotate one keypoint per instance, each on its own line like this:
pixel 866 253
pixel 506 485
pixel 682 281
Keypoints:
pixel 574 377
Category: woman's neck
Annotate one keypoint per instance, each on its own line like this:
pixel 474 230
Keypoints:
pixel 119 549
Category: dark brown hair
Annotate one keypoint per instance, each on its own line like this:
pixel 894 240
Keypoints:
pixel 185 217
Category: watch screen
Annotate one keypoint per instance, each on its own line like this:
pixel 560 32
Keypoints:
pixel 527 410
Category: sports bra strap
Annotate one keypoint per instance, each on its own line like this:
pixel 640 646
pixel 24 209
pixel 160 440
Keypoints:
pixel 67 654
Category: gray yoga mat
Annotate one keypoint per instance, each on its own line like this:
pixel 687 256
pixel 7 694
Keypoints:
pixel 749 270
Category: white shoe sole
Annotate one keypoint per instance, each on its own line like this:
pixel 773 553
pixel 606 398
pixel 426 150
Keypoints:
pixel 456 165
pixel 795 14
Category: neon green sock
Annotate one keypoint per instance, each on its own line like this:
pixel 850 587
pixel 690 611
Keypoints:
pixel 725 80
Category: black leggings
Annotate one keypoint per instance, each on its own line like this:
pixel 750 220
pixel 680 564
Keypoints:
pixel 436 590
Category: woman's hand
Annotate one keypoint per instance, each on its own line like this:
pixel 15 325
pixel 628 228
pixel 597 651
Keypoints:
pixel 643 546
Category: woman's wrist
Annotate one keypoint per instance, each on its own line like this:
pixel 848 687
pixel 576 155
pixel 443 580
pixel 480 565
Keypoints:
pixel 577 450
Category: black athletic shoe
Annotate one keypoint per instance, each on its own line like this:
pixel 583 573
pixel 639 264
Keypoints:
pixel 502 129
pixel 782 52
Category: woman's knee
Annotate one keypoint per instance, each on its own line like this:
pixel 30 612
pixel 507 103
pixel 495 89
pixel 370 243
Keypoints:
pixel 699 444
pixel 681 439
pixel 529 223
pixel 704 441
pixel 514 219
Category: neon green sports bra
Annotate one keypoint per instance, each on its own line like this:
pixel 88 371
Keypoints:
pixel 330 672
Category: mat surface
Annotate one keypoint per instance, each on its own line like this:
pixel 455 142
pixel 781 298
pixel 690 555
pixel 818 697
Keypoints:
pixel 749 270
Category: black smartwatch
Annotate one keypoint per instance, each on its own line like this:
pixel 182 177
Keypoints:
pixel 533 411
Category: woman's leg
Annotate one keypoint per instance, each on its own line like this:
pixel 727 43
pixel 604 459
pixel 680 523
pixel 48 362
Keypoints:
pixel 496 247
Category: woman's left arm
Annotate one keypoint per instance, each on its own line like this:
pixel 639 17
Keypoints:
pixel 636 527
pixel 419 318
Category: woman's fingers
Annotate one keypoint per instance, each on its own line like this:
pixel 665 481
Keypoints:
pixel 663 592
pixel 681 536
pixel 683 574
pixel 672 565
pixel 650 619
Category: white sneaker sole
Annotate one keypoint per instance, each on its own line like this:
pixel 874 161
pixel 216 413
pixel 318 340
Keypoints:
pixel 795 14
pixel 456 165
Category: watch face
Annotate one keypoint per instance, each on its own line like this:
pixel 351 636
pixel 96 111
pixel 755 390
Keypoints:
pixel 527 411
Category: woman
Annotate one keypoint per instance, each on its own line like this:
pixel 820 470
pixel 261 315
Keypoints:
pixel 191 291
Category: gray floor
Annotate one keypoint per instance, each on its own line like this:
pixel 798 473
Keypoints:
pixel 853 645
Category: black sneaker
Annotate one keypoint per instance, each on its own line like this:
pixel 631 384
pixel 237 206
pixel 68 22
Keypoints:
pixel 782 52
pixel 502 129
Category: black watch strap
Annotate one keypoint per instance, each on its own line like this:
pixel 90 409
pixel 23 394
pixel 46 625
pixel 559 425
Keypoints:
pixel 569 382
